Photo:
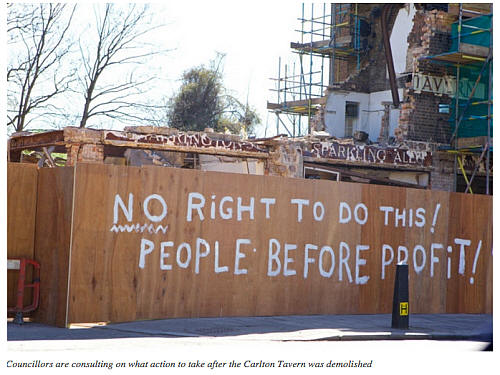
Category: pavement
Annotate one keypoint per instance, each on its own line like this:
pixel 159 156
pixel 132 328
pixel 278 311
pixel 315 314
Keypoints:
pixel 477 327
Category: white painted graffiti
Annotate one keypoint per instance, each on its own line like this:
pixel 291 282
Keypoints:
pixel 339 259
pixel 138 228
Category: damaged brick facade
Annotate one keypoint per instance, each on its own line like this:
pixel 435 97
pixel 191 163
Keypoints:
pixel 285 159
pixel 92 153
pixel 443 166
pixel 420 119
pixel 371 76
pixel 277 156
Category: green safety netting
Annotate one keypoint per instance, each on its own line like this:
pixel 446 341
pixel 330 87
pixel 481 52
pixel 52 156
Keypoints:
pixel 473 110
pixel 474 31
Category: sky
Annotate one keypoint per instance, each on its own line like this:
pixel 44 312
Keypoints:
pixel 253 35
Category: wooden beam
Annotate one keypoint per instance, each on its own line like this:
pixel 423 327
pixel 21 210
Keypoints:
pixel 199 143
pixel 367 176
pixel 470 9
pixel 36 140
pixel 322 46
pixel 297 103
pixel 474 50
pixel 196 150
pixel 348 163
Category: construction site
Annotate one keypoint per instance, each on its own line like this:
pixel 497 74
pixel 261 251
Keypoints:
pixel 383 152
pixel 386 76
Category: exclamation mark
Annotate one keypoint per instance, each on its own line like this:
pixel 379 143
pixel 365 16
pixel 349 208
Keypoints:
pixel 436 211
pixel 471 280
pixel 448 272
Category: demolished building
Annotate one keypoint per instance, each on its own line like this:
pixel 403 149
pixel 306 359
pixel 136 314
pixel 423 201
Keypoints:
pixel 388 75
pixel 306 157
pixel 391 113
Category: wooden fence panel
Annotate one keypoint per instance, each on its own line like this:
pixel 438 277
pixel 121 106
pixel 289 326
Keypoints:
pixel 161 242
pixel 472 254
pixel 21 211
pixel 427 294
pixel 53 242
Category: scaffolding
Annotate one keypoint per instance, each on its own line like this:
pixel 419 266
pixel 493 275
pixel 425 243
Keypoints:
pixel 471 111
pixel 326 36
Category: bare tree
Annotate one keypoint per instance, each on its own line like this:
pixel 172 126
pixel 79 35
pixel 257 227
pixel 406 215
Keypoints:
pixel 20 18
pixel 38 43
pixel 119 44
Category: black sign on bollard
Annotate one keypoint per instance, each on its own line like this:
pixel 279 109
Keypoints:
pixel 400 305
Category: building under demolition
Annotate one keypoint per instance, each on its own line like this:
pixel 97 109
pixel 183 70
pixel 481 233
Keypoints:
pixel 373 98
pixel 416 76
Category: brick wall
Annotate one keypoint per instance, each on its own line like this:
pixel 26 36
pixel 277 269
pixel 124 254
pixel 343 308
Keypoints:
pixel 371 76
pixel 285 159
pixel 442 173
pixel 423 120
pixel 86 152
pixel 420 119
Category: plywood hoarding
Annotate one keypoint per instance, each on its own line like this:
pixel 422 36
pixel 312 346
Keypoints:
pixel 54 219
pixel 21 211
pixel 153 242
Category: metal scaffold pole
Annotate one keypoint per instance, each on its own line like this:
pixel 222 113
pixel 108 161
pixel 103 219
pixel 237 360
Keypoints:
pixel 490 79
pixel 334 36
pixel 455 141
pixel 310 75
pixel 331 79
pixel 278 93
